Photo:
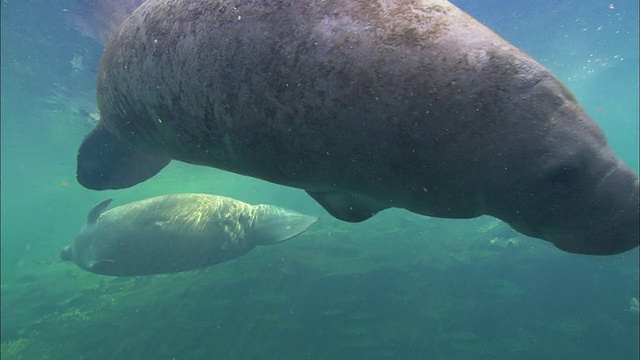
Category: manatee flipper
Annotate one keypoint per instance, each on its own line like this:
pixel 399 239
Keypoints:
pixel 108 162
pixel 67 253
pixel 272 224
pixel 347 206
pixel 95 213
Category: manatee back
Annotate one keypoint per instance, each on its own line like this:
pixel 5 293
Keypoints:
pixel 403 98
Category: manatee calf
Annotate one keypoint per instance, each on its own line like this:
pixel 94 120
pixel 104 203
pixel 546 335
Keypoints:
pixel 366 105
pixel 177 232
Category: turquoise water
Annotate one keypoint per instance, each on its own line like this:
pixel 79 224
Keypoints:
pixel 398 286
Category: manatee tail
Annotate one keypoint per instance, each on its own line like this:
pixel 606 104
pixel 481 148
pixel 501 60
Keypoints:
pixel 108 162
pixel 272 224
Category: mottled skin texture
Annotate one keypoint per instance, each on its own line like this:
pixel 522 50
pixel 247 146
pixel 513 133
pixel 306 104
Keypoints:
pixel 177 232
pixel 366 105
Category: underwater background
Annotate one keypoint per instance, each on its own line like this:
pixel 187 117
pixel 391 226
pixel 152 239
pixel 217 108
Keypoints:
pixel 398 286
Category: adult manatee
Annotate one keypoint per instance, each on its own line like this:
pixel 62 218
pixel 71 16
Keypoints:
pixel 364 104
pixel 177 232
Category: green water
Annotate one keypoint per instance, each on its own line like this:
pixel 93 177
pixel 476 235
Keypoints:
pixel 399 286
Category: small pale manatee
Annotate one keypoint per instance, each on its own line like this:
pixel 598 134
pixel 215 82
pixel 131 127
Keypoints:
pixel 177 232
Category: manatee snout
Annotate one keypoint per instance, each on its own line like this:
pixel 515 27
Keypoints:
pixel 620 205
pixel 588 207
pixel 609 220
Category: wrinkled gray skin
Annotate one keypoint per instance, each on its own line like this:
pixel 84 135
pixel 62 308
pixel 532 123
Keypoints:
pixel 177 232
pixel 364 104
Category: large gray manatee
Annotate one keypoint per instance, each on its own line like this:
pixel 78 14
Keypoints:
pixel 177 232
pixel 366 105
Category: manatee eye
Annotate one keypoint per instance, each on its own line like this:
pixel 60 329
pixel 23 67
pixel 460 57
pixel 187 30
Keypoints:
pixel 564 176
